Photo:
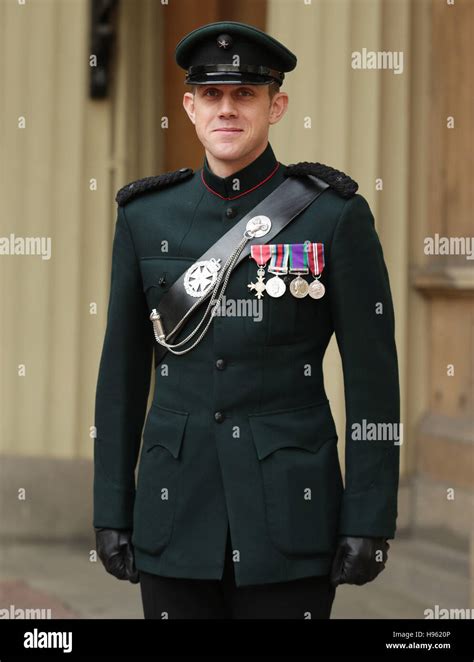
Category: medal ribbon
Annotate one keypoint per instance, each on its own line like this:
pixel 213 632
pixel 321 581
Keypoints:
pixel 298 258
pixel 279 261
pixel 316 258
pixel 260 253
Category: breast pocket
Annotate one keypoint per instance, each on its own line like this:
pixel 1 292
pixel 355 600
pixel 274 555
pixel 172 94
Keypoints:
pixel 159 273
pixel 301 475
pixel 285 319
pixel 158 478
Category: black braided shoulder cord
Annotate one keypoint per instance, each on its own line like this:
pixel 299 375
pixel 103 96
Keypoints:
pixel 147 184
pixel 336 179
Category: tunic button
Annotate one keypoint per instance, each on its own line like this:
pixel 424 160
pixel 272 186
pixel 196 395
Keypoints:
pixel 220 364
pixel 230 212
pixel 219 416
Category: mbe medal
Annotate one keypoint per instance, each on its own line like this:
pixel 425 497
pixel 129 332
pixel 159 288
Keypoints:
pixel 261 254
pixel 316 263
pixel 201 276
pixel 276 286
pixel 298 265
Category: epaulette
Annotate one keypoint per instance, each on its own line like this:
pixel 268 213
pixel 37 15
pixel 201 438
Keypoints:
pixel 339 181
pixel 136 188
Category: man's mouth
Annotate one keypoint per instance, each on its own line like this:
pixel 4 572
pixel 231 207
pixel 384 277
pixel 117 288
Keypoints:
pixel 229 130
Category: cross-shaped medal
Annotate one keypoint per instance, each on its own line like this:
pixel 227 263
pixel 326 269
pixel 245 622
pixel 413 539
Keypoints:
pixel 259 286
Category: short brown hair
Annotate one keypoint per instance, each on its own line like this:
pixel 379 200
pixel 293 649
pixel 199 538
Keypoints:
pixel 273 89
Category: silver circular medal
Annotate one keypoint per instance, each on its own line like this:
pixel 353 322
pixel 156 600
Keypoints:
pixel 316 289
pixel 299 287
pixel 258 226
pixel 201 276
pixel 275 287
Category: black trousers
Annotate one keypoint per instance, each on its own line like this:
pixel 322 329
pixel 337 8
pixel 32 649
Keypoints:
pixel 174 597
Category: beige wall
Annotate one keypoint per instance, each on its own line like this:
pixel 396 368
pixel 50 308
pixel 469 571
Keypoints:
pixel 44 80
pixel 47 167
pixel 361 124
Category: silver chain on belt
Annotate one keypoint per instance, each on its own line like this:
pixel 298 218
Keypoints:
pixel 258 226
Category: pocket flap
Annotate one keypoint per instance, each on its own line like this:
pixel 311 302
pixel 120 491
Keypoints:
pixel 305 427
pixel 164 427
pixel 162 272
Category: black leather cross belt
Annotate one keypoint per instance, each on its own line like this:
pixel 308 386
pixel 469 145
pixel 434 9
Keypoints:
pixel 281 207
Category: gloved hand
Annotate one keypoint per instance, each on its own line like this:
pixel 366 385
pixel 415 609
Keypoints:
pixel 356 561
pixel 115 550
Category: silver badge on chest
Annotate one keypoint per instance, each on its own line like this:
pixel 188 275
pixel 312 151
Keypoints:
pixel 257 226
pixel 201 276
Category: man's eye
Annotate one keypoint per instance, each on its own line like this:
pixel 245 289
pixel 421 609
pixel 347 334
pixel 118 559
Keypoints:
pixel 246 92
pixel 210 93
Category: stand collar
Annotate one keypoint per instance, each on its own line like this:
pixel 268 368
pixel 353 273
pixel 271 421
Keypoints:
pixel 251 177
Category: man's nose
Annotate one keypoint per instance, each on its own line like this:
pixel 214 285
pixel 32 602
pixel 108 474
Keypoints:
pixel 227 107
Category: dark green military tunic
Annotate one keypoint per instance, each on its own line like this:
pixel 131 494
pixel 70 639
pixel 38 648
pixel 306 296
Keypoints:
pixel 240 433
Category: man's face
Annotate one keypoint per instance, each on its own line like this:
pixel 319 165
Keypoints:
pixel 232 121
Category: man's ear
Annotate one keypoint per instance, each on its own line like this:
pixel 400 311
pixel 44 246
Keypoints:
pixel 188 104
pixel 278 107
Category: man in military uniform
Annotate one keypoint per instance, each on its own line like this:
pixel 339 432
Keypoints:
pixel 240 510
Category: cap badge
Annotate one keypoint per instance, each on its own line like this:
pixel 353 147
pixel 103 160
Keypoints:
pixel 224 41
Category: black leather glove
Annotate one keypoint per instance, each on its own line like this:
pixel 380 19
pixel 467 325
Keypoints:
pixel 356 561
pixel 115 550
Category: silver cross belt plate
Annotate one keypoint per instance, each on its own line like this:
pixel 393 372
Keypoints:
pixel 201 276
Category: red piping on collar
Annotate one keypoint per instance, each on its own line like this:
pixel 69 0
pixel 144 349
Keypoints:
pixel 245 192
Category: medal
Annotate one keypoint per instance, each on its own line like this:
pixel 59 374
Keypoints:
pixel 316 264
pixel 275 286
pixel 278 265
pixel 299 287
pixel 261 254
pixel 316 289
